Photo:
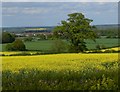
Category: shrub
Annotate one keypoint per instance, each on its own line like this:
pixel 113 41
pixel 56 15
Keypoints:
pixel 50 36
pixel 98 47
pixel 17 45
pixel 80 48
pixel 9 47
pixel 103 47
pixel 59 46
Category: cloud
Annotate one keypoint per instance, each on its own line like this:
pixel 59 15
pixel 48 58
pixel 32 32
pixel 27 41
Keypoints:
pixel 34 10
pixel 51 13
pixel 61 8
pixel 8 15
pixel 7 11
pixel 45 13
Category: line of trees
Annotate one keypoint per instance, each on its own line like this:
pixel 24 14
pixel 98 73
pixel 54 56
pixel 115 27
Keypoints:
pixel 7 37
pixel 12 43
pixel 17 45
pixel 108 33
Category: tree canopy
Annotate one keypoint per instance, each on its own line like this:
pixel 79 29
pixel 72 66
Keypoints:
pixel 76 29
pixel 17 45
pixel 7 37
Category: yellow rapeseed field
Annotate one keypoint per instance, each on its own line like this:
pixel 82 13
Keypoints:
pixel 115 49
pixel 58 62
pixel 8 53
pixel 61 72
pixel 16 52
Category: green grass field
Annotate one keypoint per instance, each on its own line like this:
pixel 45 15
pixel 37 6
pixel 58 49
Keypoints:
pixel 60 72
pixel 46 45
pixel 106 42
pixel 39 45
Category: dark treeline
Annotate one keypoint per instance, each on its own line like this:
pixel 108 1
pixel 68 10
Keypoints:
pixel 108 33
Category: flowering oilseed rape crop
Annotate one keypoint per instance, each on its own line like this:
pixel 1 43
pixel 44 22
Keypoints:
pixel 61 72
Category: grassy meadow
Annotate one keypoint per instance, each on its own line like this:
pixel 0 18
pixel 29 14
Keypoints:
pixel 46 45
pixel 61 72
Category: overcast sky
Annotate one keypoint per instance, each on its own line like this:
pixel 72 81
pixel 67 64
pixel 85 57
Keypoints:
pixel 51 13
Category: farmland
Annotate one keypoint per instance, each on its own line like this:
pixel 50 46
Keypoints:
pixel 44 45
pixel 31 70
pixel 53 46
pixel 61 72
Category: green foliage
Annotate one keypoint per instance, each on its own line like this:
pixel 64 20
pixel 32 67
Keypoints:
pixel 17 45
pixel 50 36
pixel 103 46
pixel 81 48
pixel 9 47
pixel 59 46
pixel 109 32
pixel 42 36
pixel 42 45
pixel 0 36
pixel 28 39
pixel 34 79
pixel 61 72
pixel 98 47
pixel 45 45
pixel 7 37
pixel 76 29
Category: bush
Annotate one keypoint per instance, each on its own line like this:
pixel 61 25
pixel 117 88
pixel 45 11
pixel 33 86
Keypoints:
pixel 76 49
pixel 9 47
pixel 103 47
pixel 28 39
pixel 59 46
pixel 34 79
pixel 98 47
pixel 50 36
pixel 17 45
pixel 71 49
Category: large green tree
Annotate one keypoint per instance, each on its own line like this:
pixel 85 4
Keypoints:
pixel 7 37
pixel 76 29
